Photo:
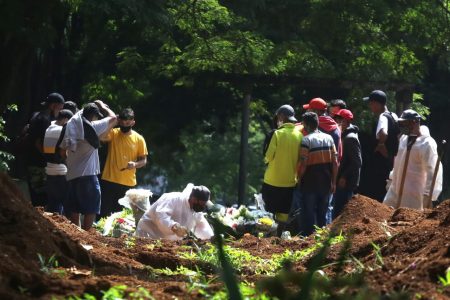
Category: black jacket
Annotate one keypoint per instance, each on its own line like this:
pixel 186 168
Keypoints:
pixel 351 162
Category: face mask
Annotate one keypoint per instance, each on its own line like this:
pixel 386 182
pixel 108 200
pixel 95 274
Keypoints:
pixel 404 129
pixel 198 207
pixel 125 129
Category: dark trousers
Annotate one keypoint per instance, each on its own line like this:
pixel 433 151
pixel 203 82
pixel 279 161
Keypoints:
pixel 374 177
pixel 57 193
pixel 313 211
pixel 340 199
pixel 36 179
pixel 111 193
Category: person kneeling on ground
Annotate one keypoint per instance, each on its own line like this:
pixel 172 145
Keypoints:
pixel 176 214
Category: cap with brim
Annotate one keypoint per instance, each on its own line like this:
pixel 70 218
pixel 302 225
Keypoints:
pixel 92 108
pixel 53 98
pixel 410 115
pixel 345 113
pixel 316 103
pixel 287 111
pixel 377 96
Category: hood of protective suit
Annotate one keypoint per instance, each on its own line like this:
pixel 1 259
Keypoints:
pixel 170 209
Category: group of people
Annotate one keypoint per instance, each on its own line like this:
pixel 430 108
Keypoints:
pixel 314 166
pixel 63 164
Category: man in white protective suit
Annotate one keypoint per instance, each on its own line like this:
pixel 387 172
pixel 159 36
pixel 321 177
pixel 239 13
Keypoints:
pixel 176 214
pixel 420 166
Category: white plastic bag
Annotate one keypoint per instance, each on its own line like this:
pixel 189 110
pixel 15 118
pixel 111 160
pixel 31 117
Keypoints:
pixel 259 202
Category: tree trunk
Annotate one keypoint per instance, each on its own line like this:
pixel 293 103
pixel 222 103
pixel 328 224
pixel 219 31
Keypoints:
pixel 243 161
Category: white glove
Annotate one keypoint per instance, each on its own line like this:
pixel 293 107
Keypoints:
pixel 388 184
pixel 179 230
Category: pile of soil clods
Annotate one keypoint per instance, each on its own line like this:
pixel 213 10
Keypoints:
pixel 363 220
pixel 418 254
pixel 89 263
pixel 415 247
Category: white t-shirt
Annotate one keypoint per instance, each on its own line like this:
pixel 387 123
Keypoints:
pixel 383 123
pixel 84 161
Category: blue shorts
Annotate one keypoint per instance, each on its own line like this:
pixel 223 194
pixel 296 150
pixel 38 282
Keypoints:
pixel 84 195
pixel 57 193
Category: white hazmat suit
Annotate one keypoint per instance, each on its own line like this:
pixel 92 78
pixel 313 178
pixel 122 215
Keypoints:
pixel 419 173
pixel 170 209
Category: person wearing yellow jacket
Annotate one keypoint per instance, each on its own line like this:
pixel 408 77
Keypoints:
pixel 281 158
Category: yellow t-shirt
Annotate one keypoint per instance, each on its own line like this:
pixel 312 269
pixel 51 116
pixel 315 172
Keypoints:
pixel 122 149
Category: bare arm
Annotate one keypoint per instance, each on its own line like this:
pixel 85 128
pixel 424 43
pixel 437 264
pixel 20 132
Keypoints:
pixel 141 162
pixel 109 114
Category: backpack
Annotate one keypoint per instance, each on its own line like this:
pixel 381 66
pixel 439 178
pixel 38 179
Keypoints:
pixel 393 134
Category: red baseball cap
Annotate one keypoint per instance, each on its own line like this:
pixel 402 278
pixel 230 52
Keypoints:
pixel 316 103
pixel 345 113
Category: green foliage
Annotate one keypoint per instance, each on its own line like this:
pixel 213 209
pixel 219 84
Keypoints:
pixel 130 242
pixel 445 281
pixel 316 284
pixel 117 292
pixel 212 159
pixel 242 260
pixel 5 157
pixel 50 266
pixel 418 106
pixel 378 256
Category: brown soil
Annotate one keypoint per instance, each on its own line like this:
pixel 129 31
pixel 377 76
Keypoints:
pixel 415 248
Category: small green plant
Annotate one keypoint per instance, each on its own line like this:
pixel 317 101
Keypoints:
pixel 141 294
pixel 378 257
pixel 158 243
pixel 23 290
pixel 130 242
pixel 115 292
pixel 445 281
pixel 50 266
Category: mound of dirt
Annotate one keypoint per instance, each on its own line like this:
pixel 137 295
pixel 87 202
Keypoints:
pixel 90 263
pixel 418 254
pixel 415 249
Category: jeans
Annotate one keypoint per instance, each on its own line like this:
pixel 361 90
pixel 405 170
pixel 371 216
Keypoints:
pixel 329 215
pixel 313 211
pixel 295 213
pixel 340 199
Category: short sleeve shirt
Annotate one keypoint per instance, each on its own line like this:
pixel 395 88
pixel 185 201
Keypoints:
pixel 84 160
pixel 123 148
pixel 383 123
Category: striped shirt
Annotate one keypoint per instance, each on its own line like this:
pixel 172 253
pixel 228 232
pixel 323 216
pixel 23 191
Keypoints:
pixel 51 138
pixel 318 151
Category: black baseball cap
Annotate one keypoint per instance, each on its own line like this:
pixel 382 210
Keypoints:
pixel 409 115
pixel 287 111
pixel 378 96
pixel 53 98
pixel 91 109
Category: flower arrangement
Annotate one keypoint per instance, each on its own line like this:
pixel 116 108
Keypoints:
pixel 138 200
pixel 243 220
